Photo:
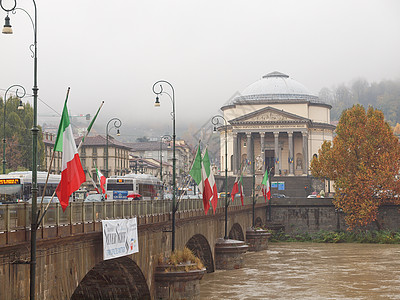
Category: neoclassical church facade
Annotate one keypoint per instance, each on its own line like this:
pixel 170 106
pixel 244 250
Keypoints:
pixel 274 124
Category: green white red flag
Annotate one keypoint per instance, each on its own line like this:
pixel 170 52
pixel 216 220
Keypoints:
pixel 72 174
pixel 209 180
pixel 238 188
pixel 265 187
pixel 198 174
pixel 102 180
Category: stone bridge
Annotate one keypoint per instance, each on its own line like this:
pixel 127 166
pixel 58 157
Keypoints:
pixel 70 261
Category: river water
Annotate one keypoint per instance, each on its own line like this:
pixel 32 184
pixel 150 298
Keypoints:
pixel 311 271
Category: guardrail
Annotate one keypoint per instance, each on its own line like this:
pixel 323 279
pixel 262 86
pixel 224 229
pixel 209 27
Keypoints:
pixel 17 217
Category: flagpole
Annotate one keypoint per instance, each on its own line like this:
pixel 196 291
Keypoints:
pixel 269 202
pixel 47 178
pixel 90 126
pixel 215 121
pixel 188 183
pixel 94 183
pixel 47 207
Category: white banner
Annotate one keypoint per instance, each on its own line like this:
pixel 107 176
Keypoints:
pixel 120 237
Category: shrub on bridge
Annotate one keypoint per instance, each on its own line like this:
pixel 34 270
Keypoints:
pixel 180 260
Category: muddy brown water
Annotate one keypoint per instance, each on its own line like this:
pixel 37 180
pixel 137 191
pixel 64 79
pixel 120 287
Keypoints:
pixel 311 271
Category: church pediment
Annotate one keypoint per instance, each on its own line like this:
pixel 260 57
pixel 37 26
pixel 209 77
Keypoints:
pixel 268 115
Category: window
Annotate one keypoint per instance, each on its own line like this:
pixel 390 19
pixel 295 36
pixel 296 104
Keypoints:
pixel 94 162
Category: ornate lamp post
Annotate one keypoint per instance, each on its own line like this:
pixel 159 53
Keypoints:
pixel 158 92
pixel 215 122
pixel 162 139
pixel 20 107
pixel 117 125
pixel 253 170
pixel 8 30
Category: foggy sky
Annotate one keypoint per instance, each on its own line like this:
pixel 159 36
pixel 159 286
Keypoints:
pixel 209 50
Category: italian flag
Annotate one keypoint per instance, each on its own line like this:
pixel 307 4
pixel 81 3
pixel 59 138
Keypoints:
pixel 197 172
pixel 102 180
pixel 265 189
pixel 238 188
pixel 72 174
pixel 209 180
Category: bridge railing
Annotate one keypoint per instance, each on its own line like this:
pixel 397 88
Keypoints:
pixel 17 217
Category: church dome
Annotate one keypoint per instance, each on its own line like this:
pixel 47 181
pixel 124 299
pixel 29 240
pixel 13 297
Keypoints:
pixel 276 86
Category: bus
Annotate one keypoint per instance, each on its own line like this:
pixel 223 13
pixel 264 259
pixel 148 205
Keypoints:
pixel 122 187
pixel 17 186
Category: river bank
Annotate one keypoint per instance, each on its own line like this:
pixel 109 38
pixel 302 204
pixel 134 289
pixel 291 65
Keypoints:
pixel 366 236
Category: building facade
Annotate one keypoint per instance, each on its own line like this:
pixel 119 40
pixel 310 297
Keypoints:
pixel 93 153
pixel 276 125
pixel 143 151
pixel 150 166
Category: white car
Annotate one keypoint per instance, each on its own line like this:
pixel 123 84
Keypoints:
pixel 315 196
pixel 46 199
pixel 94 198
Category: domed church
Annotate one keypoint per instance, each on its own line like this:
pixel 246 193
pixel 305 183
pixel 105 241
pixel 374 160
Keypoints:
pixel 276 123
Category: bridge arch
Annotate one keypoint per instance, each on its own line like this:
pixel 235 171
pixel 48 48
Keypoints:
pixel 236 232
pixel 118 278
pixel 200 247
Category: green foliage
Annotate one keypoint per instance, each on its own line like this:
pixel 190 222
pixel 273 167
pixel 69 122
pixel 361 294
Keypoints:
pixel 142 139
pixel 374 237
pixel 18 136
pixel 364 162
pixel 384 95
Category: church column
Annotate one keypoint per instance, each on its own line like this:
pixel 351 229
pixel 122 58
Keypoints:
pixel 277 162
pixel 305 152
pixel 235 154
pixel 249 151
pixel 262 135
pixel 291 160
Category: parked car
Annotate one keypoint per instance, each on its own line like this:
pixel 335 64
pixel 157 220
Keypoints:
pixel 51 212
pixel 278 196
pixel 46 200
pixel 135 196
pixel 222 195
pixel 94 198
pixel 315 196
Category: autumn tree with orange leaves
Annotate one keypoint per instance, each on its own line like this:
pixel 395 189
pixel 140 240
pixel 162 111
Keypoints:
pixel 364 162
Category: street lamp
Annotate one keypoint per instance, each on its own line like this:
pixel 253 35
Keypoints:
pixel 215 122
pixel 20 107
pixel 163 138
pixel 117 125
pixel 157 104
pixel 254 184
pixel 8 30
